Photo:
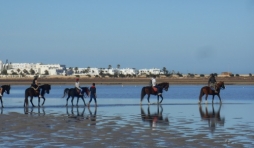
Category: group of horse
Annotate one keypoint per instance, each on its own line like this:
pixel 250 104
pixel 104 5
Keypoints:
pixel 72 92
pixel 206 90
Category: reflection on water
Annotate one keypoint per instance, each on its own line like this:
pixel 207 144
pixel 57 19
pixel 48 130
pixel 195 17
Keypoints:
pixel 92 116
pixel 154 118
pixel 31 111
pixel 212 117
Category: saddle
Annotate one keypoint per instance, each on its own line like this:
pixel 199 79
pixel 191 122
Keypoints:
pixel 155 89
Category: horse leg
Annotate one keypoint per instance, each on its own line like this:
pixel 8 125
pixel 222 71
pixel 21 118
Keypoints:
pixel 1 101
pixel 43 101
pixel 39 99
pixel 72 100
pixel 67 100
pixel 77 100
pixel 148 96
pixel 31 100
pixel 83 101
pixel 219 98
pixel 161 98
pixel 206 96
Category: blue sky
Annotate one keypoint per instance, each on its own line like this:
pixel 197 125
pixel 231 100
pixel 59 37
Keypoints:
pixel 194 36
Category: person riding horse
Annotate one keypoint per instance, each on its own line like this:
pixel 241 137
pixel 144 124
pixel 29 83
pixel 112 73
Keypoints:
pixel 155 86
pixel 35 85
pixel 78 87
pixel 212 83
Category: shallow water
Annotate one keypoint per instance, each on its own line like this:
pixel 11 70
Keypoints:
pixel 229 124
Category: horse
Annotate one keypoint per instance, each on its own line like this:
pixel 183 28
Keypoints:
pixel 206 90
pixel 148 90
pixel 6 89
pixel 30 92
pixel 72 92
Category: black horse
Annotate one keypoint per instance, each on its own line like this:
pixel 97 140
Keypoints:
pixel 72 92
pixel 6 89
pixel 148 90
pixel 30 92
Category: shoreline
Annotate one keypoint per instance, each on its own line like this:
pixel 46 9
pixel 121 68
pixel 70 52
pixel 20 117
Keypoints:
pixel 69 80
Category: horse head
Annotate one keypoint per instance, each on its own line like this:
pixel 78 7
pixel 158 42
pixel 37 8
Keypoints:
pixel 221 85
pixel 46 87
pixel 85 90
pixel 6 88
pixel 164 85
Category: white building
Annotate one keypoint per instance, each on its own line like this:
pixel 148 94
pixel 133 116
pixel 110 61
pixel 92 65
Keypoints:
pixel 128 71
pixel 39 68
pixel 153 71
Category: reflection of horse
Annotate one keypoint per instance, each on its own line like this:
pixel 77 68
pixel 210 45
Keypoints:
pixel 155 118
pixel 30 92
pixel 72 92
pixel 79 115
pixel 212 117
pixel 206 90
pixel 26 111
pixel 6 89
pixel 148 90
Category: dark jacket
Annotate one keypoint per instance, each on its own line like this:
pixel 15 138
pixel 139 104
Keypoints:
pixel 93 90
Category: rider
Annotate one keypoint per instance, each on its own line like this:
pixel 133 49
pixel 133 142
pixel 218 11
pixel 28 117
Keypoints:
pixel 212 82
pixel 35 85
pixel 154 84
pixel 77 86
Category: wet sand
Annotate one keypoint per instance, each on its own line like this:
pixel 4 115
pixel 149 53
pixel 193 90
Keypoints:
pixel 168 125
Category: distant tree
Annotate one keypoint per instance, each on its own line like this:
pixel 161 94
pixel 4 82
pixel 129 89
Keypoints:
pixel 118 66
pixel 25 71
pixel 4 72
pixel 250 74
pixel 32 72
pixel 18 70
pixel 237 75
pixel 88 69
pixel 215 74
pixel 164 69
pixel 76 69
pixel 202 75
pixel 232 75
pixel 46 72
pixel 109 66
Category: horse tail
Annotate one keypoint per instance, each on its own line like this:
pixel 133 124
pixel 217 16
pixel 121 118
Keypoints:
pixel 142 94
pixel 201 93
pixel 65 92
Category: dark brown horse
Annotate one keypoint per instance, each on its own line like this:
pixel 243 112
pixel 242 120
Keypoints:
pixel 6 89
pixel 30 92
pixel 206 90
pixel 72 92
pixel 148 90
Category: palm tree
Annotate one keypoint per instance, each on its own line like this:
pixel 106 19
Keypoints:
pixel 109 66
pixel 164 69
pixel 76 69
pixel 118 66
